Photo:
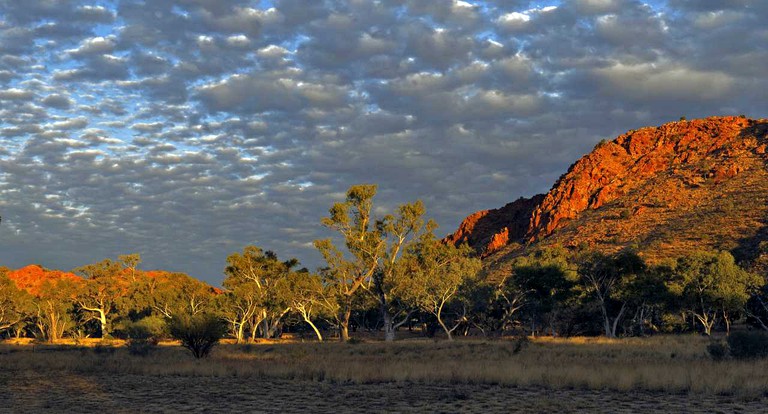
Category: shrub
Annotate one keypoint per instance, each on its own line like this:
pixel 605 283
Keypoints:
pixel 103 349
pixel 601 143
pixel 198 333
pixel 625 214
pixel 141 347
pixel 718 350
pixel 155 325
pixel 747 345
pixel 141 339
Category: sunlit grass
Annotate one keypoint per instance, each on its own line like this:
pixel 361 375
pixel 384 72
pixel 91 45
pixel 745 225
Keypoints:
pixel 676 364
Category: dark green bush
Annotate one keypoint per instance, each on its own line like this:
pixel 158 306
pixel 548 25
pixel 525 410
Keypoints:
pixel 141 347
pixel 104 349
pixel 748 344
pixel 198 333
pixel 142 337
pixel 601 143
pixel 718 350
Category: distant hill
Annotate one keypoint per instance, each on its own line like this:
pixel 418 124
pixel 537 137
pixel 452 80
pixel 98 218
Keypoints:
pixel 32 277
pixel 667 190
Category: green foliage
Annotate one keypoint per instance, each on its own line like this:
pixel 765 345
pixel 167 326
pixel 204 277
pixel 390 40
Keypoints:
pixel 254 297
pixel 54 308
pixel 610 280
pixel 170 293
pixel 748 344
pixel 16 305
pixel 370 259
pixel 601 143
pixel 431 274
pixel 149 329
pixel 108 284
pixel 141 339
pixel 711 284
pixel 306 295
pixel 198 333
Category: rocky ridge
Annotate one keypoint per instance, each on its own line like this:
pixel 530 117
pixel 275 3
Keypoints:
pixel 687 184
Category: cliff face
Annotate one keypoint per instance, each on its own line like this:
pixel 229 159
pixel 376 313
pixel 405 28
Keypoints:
pixel 490 230
pixel 720 147
pixel 687 184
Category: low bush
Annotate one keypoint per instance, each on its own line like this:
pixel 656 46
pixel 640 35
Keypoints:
pixel 141 347
pixel 142 338
pixel 748 344
pixel 198 333
pixel 103 349
pixel 718 350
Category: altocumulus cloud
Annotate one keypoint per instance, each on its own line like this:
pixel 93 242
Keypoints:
pixel 186 129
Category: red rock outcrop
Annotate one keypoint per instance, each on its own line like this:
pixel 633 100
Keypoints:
pixel 489 230
pixel 32 277
pixel 617 167
pixel 643 182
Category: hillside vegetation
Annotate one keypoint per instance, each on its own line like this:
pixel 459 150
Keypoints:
pixel 664 191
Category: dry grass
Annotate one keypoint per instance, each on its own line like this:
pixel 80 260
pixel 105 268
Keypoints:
pixel 670 367
pixel 677 364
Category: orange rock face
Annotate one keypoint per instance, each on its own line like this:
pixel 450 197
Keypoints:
pixel 644 176
pixel 32 277
pixel 617 167
pixel 490 230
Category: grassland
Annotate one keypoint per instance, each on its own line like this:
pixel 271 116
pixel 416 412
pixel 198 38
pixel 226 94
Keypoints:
pixel 672 374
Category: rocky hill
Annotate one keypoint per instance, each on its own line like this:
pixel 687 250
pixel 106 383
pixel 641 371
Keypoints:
pixel 32 277
pixel 700 184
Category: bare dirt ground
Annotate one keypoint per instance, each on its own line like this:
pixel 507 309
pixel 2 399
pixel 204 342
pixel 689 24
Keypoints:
pixel 657 375
pixel 31 392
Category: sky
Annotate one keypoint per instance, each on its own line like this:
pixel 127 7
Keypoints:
pixel 185 130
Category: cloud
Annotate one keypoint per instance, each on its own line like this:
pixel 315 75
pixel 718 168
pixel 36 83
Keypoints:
pixel 94 46
pixel 186 129
pixel 57 101
pixel 260 92
pixel 15 94
pixel 654 83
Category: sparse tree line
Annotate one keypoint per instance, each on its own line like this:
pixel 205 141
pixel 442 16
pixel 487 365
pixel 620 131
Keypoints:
pixel 389 274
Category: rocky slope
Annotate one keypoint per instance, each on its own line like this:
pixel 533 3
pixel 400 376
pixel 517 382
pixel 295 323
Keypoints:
pixel 700 184
pixel 32 277
pixel 490 230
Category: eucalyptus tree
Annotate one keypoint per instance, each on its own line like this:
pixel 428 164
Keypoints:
pixel 54 307
pixel 608 278
pixel 174 293
pixel 542 286
pixel 373 248
pixel 252 278
pixel 713 285
pixel 16 304
pixel 347 276
pixel 431 275
pixel 107 284
pixel 304 293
